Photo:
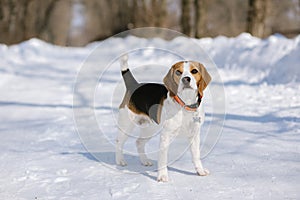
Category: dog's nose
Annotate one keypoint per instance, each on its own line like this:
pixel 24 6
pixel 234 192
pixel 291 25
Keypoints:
pixel 186 80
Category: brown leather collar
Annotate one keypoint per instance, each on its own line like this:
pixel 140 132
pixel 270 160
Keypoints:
pixel 192 107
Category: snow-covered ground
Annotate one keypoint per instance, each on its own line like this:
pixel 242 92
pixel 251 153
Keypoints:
pixel 43 157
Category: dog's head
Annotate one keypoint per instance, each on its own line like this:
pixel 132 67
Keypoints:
pixel 187 75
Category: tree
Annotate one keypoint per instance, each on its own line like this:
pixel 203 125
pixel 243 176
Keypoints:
pixel 186 17
pixel 159 11
pixel 257 14
pixel 200 18
pixel 47 19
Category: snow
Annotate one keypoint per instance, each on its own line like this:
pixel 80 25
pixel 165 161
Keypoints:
pixel 43 156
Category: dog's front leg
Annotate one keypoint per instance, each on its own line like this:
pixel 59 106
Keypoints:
pixel 195 150
pixel 163 157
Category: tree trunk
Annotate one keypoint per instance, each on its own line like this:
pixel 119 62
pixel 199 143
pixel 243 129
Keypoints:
pixel 186 17
pixel 257 14
pixel 159 9
pixel 12 21
pixel 200 20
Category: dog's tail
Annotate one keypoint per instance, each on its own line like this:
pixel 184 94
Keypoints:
pixel 130 82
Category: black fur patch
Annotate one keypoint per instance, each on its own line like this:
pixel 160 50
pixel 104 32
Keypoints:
pixel 148 98
pixel 124 71
pixel 130 82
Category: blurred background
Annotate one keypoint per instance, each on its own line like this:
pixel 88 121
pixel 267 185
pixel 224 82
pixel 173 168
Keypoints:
pixel 78 22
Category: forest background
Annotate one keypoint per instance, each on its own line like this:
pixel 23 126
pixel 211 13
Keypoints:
pixel 79 22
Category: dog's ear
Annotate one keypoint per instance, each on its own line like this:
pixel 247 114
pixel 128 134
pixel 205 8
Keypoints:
pixel 205 79
pixel 170 83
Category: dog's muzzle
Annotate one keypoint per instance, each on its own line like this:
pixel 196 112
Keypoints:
pixel 186 80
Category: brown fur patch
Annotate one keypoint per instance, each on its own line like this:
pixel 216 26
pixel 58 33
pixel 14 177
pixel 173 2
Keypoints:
pixel 172 79
pixel 202 77
pixel 134 109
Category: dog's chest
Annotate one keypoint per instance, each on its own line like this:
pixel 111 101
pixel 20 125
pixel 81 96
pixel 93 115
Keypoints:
pixel 184 123
pixel 172 109
pixel 189 118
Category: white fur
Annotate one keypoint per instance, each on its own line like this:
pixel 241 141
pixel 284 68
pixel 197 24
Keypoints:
pixel 123 62
pixel 175 120
pixel 188 95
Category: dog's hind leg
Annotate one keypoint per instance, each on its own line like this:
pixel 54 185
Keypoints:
pixel 145 136
pixel 125 128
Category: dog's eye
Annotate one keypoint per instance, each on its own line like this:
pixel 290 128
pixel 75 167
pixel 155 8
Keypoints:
pixel 178 73
pixel 194 71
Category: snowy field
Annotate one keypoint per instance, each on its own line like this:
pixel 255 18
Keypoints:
pixel 43 156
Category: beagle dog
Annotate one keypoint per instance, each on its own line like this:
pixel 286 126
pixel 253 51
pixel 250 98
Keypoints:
pixel 175 105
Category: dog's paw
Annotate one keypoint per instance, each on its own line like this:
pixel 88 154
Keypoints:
pixel 146 162
pixel 202 172
pixel 162 175
pixel 163 178
pixel 121 162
